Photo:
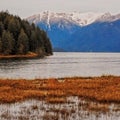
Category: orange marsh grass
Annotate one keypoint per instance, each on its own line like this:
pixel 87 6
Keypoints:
pixel 100 89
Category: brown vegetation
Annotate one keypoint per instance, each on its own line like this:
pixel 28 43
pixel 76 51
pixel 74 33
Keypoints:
pixel 29 55
pixel 103 89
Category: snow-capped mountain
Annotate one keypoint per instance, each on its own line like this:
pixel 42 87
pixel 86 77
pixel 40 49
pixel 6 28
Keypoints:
pixel 85 32
pixel 77 18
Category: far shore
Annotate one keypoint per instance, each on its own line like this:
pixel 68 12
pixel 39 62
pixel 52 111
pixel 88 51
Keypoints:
pixel 104 89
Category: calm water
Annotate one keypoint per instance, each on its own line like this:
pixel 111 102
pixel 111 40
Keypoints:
pixel 62 65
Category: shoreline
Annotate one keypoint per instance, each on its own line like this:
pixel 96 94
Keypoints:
pixel 104 89
pixel 31 55
pixel 26 56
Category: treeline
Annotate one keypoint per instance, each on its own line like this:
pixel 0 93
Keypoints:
pixel 19 37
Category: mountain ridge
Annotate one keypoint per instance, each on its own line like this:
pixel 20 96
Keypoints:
pixel 78 18
pixel 81 32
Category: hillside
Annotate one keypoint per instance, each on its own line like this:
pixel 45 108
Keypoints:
pixel 80 32
pixel 18 37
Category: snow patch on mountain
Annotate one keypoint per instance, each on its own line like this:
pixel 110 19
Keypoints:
pixel 81 19
pixel 107 17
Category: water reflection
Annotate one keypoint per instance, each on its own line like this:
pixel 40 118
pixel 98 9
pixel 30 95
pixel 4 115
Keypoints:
pixel 12 64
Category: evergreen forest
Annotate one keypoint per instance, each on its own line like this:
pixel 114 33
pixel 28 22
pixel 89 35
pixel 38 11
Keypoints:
pixel 19 37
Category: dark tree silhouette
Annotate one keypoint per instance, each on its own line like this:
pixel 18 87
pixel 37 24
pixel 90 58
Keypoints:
pixel 0 45
pixel 7 42
pixel 19 37
pixel 22 43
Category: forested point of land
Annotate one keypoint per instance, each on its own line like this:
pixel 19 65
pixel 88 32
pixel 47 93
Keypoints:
pixel 19 37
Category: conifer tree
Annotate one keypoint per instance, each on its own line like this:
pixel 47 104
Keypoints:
pixel 22 43
pixel 0 45
pixel 14 27
pixel 7 42
pixel 33 41
pixel 1 28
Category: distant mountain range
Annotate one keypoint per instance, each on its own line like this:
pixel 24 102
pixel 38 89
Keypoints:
pixel 80 32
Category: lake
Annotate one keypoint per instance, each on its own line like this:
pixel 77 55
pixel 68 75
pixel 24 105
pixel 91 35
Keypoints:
pixel 62 64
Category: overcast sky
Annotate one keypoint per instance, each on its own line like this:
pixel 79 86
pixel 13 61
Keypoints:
pixel 25 8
